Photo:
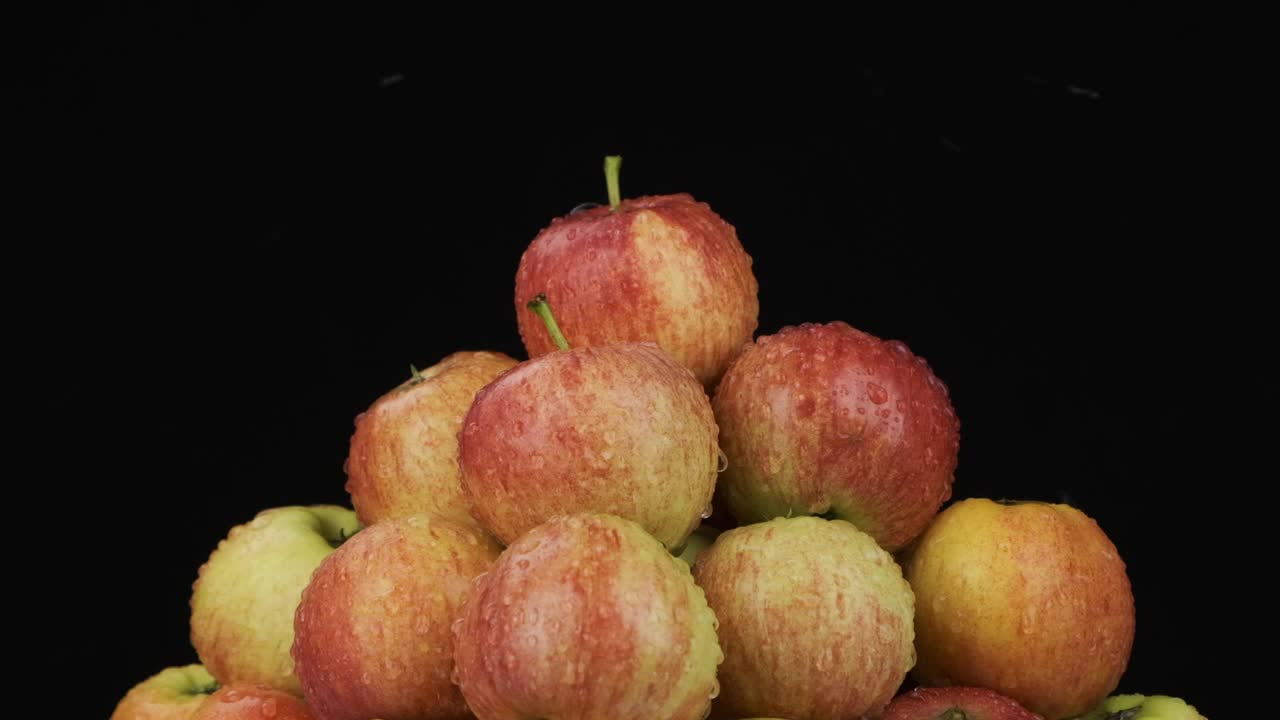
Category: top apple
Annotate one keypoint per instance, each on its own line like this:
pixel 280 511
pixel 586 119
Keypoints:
pixel 664 269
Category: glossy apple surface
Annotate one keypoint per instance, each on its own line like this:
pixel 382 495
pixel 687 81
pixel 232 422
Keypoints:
pixel 585 617
pixel 815 620
pixel 373 632
pixel 1029 599
pixel 620 429
pixel 663 269
pixel 244 598
pixel 828 420
pixel 403 458
pixel 246 701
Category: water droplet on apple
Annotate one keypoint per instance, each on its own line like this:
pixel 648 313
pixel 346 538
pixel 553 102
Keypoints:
pixel 583 207
pixel 862 411
pixel 715 689
pixel 724 463
pixel 706 512
pixel 269 708
pixel 523 564
pixel 877 394
pixel 899 347
pixel 231 696
pixel 455 677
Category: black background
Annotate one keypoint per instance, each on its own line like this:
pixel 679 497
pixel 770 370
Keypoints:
pixel 251 230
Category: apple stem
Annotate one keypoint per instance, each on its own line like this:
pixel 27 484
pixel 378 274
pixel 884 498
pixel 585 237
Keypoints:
pixel 613 164
pixel 540 306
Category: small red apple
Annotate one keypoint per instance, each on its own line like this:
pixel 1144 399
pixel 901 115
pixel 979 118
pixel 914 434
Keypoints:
pixel 244 701
pixel 372 633
pixel 663 269
pixel 621 429
pixel 828 420
pixel 404 453
pixel 955 703
pixel 1029 599
pixel 583 617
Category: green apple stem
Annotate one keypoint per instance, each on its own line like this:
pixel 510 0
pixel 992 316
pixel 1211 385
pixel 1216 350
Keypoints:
pixel 613 164
pixel 543 308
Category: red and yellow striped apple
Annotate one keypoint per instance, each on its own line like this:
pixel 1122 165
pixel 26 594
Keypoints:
pixel 404 453
pixel 621 429
pixel 372 634
pixel 584 617
pixel 815 620
pixel 662 269
pixel 246 701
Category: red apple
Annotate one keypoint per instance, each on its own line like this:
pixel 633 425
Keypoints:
pixel 1029 599
pixel 245 701
pixel 662 269
pixel 372 633
pixel 583 617
pixel 815 620
pixel 174 693
pixel 620 429
pixel 404 453
pixel 955 703
pixel 828 420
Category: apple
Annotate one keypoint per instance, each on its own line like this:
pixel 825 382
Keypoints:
pixel 372 633
pixel 404 453
pixel 1029 599
pixel 955 703
pixel 587 616
pixel 815 620
pixel 174 693
pixel 245 595
pixel 246 701
pixel 828 420
pixel 663 269
pixel 1143 707
pixel 621 429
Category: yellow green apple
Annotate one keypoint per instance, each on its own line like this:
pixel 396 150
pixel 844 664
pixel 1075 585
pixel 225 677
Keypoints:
pixel 815 620
pixel 1143 707
pixel 245 595
pixel 1029 599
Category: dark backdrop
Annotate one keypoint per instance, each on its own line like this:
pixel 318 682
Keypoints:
pixel 251 234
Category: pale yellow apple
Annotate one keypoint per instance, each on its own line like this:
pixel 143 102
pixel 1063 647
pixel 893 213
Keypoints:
pixel 243 601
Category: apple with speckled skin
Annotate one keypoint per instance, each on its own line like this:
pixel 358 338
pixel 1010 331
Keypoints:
pixel 174 693
pixel 585 617
pixel 828 420
pixel 955 703
pixel 246 701
pixel 621 429
pixel 663 269
pixel 1029 599
pixel 403 458
pixel 815 620
pixel 372 635
pixel 244 598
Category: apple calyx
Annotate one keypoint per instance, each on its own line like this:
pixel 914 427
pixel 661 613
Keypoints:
pixel 336 542
pixel 542 309
pixel 954 713
pixel 612 164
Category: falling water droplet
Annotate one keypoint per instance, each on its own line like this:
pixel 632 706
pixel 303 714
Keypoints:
pixel 724 462
pixel 706 512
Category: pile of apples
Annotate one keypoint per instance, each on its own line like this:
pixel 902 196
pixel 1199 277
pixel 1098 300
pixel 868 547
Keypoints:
pixel 527 538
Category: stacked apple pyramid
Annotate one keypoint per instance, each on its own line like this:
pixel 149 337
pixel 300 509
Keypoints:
pixel 526 539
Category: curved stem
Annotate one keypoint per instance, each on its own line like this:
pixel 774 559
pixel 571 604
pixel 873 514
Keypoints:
pixel 540 306
pixel 612 165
